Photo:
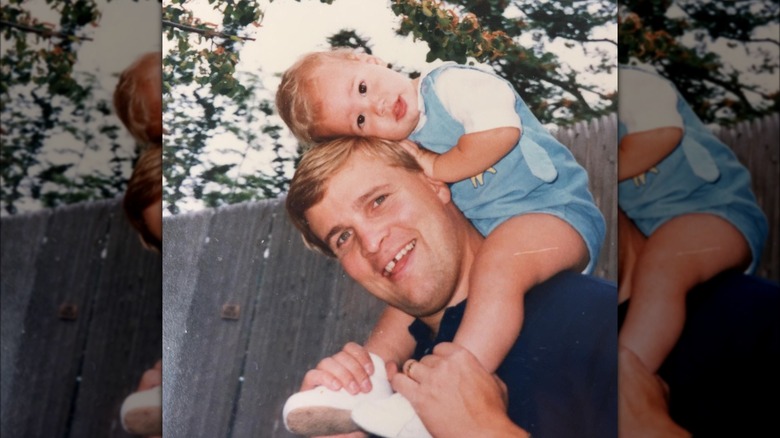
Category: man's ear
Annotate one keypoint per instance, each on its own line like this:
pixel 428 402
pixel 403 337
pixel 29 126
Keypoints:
pixel 441 189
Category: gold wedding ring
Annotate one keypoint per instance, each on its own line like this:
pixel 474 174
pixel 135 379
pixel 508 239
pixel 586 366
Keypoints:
pixel 408 367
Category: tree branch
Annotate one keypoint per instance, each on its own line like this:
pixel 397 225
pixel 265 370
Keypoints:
pixel 208 33
pixel 42 31
pixel 601 40
pixel 764 40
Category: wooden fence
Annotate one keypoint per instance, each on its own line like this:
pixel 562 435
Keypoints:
pixel 757 145
pixel 247 309
pixel 81 320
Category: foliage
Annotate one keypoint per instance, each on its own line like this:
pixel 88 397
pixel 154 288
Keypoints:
pixel 489 31
pixel 677 39
pixel 43 101
pixel 205 99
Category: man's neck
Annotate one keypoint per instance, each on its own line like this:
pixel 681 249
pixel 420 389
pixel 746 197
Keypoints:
pixel 471 240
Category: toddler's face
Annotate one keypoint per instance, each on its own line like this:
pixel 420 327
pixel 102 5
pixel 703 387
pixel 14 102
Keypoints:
pixel 365 99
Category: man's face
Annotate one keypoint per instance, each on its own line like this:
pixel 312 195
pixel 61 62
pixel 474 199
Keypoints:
pixel 392 233
pixel 364 99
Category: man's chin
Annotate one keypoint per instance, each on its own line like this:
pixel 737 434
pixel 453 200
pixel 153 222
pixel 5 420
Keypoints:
pixel 423 310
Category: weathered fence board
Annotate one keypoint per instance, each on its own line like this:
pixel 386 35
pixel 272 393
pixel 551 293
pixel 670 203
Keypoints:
pixel 16 282
pixel 757 145
pixel 183 245
pixel 78 353
pixel 594 145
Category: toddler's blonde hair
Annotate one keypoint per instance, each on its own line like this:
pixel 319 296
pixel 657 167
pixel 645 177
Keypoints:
pixel 294 101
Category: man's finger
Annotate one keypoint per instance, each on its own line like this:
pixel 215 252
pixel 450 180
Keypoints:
pixel 446 349
pixel 406 387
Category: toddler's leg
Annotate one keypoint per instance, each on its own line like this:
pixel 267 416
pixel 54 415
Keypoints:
pixel 519 254
pixel 630 244
pixel 683 252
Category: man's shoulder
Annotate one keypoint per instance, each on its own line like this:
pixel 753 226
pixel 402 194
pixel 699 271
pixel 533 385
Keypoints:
pixel 569 279
pixel 571 293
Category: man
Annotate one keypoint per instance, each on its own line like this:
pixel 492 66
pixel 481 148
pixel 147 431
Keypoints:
pixel 368 202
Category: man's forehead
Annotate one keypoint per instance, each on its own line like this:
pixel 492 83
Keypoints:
pixel 358 175
pixel 361 175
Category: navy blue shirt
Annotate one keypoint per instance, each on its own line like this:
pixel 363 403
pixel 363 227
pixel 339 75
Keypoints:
pixel 723 372
pixel 562 371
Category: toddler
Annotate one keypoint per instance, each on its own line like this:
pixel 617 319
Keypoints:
pixel 690 197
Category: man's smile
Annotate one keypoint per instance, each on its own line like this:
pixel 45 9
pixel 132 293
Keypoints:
pixel 390 267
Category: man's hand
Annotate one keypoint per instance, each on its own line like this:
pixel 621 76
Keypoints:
pixel 454 395
pixel 424 157
pixel 350 368
pixel 643 410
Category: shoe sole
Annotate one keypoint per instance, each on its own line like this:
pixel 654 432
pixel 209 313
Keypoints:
pixel 141 412
pixel 321 421
pixel 144 421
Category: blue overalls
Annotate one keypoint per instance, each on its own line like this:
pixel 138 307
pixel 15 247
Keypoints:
pixel 539 175
pixel 701 175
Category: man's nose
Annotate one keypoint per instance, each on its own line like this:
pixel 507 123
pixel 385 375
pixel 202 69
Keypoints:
pixel 371 235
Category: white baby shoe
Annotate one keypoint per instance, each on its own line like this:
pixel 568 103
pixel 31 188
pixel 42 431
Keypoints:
pixel 392 417
pixel 322 411
pixel 141 412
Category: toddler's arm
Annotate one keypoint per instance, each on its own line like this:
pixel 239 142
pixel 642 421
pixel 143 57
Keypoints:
pixel 474 154
pixel 640 151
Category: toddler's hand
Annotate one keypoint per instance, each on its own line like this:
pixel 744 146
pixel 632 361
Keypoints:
pixel 350 368
pixel 424 157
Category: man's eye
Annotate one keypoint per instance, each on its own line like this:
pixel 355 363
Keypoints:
pixel 342 239
pixel 362 88
pixel 361 120
pixel 379 200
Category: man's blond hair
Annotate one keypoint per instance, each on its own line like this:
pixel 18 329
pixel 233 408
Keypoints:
pixel 318 165
pixel 294 97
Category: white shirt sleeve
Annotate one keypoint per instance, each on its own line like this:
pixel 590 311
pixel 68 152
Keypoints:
pixel 646 102
pixel 479 100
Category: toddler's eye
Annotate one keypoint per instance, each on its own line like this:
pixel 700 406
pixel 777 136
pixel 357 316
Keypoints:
pixel 379 200
pixel 361 120
pixel 362 88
